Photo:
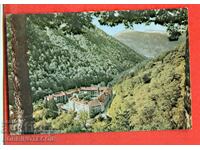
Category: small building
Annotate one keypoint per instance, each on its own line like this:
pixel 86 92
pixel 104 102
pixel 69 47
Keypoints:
pixel 92 90
pixel 96 104
pixel 78 105
pixel 92 100
pixel 61 97
pixel 92 107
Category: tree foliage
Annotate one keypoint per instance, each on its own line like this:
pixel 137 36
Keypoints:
pixel 153 97
pixel 66 51
pixel 174 19
pixel 66 22
pixel 59 62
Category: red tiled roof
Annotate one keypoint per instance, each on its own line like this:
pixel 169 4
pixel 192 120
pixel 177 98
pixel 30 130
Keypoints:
pixel 59 94
pixel 92 88
pixel 104 91
pixel 55 95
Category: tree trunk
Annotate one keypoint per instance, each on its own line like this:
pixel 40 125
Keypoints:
pixel 22 90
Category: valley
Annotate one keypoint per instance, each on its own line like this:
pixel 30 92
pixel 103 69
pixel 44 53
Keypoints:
pixel 82 79
pixel 151 96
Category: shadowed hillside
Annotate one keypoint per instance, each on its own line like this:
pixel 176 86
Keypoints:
pixel 149 44
pixel 60 61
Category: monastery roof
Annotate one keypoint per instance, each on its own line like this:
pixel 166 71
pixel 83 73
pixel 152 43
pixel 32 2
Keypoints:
pixel 56 95
pixel 60 94
pixel 104 91
pixel 92 88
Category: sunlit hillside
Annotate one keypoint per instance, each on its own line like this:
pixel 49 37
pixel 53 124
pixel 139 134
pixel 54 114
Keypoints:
pixel 154 97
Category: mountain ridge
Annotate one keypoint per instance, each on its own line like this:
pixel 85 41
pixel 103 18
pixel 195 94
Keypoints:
pixel 149 44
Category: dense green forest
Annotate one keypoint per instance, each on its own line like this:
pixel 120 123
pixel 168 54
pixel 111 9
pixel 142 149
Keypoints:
pixel 66 51
pixel 150 96
pixel 154 96
pixel 59 60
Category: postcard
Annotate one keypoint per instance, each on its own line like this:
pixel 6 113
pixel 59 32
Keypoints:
pixel 98 71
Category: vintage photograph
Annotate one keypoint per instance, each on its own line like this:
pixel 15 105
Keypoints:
pixel 106 71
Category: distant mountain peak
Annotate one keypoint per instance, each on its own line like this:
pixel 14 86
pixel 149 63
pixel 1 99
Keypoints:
pixel 135 31
pixel 147 43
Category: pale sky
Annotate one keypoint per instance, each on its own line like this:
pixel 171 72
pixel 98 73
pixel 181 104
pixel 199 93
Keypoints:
pixel 137 27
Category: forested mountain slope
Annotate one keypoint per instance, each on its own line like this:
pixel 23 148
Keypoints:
pixel 60 61
pixel 154 97
pixel 149 44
